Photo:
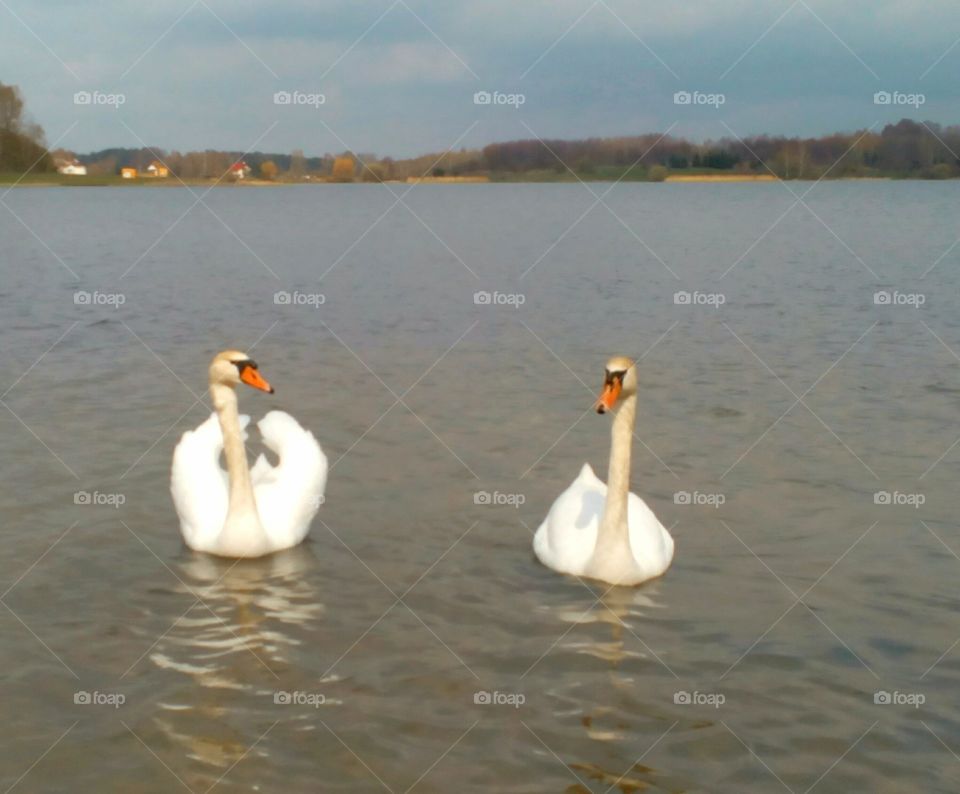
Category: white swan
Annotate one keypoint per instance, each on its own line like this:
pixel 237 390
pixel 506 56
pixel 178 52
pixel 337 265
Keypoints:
pixel 245 512
pixel 603 531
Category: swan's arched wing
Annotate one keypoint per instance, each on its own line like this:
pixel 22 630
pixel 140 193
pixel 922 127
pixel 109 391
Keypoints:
pixel 568 535
pixel 199 484
pixel 289 494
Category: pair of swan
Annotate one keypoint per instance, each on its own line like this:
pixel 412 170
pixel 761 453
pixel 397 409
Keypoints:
pixel 592 530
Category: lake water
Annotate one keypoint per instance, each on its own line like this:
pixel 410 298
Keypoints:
pixel 782 397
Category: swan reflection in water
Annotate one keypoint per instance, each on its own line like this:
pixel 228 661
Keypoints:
pixel 237 638
pixel 603 718
pixel 244 609
pixel 623 609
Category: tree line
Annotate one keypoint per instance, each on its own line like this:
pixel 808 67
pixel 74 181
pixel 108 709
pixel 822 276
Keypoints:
pixel 907 149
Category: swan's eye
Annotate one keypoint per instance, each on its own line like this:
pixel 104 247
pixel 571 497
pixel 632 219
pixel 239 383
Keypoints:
pixel 242 365
pixel 616 376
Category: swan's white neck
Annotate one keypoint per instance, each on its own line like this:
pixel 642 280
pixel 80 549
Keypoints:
pixel 613 537
pixel 242 524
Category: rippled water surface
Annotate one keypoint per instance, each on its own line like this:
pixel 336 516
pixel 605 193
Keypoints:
pixel 794 403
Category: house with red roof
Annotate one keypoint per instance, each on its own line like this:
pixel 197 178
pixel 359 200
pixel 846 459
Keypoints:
pixel 239 170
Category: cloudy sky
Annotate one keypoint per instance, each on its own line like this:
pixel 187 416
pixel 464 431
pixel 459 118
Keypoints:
pixel 398 77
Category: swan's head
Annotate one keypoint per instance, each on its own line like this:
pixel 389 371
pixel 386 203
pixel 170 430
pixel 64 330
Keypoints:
pixel 619 382
pixel 231 367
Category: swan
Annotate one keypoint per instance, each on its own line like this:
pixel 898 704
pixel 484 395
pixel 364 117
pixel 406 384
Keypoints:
pixel 603 531
pixel 245 512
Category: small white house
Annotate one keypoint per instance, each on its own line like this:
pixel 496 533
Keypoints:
pixel 74 168
pixel 158 169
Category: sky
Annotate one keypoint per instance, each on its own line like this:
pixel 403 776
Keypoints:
pixel 402 77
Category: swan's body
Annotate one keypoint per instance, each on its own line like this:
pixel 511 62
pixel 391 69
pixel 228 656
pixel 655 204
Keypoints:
pixel 245 512
pixel 605 532
pixel 567 538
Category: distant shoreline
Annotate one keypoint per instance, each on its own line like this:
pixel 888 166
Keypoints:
pixel 721 178
pixel 60 180
pixel 63 180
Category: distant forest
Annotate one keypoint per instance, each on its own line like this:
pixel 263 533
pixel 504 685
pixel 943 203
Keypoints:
pixel 907 149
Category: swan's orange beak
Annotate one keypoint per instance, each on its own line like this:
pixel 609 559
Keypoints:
pixel 252 377
pixel 609 395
